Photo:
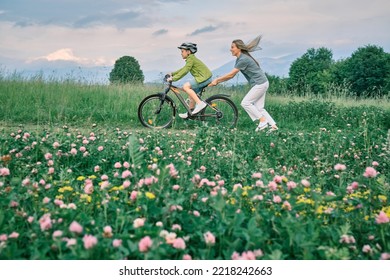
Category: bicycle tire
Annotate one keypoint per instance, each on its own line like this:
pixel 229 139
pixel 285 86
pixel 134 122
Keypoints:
pixel 156 112
pixel 221 111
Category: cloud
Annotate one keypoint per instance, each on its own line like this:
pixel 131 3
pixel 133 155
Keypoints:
pixel 205 29
pixel 67 54
pixel 160 32
pixel 80 14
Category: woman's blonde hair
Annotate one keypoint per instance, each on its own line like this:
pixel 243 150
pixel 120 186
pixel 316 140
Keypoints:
pixel 250 47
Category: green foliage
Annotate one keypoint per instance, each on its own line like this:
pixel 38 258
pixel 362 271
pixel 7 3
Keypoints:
pixel 126 70
pixel 187 183
pixel 311 71
pixel 367 71
pixel 277 85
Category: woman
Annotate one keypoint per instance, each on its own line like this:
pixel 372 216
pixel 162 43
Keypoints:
pixel 201 73
pixel 253 102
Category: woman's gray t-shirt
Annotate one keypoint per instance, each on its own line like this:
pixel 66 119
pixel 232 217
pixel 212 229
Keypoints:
pixel 251 71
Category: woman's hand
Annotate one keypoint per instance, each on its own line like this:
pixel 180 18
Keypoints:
pixel 213 83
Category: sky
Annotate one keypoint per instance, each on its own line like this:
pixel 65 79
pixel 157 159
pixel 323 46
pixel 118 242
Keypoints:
pixel 98 32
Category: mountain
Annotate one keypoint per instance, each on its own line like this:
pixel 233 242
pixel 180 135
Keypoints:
pixel 273 66
pixel 58 70
pixel 69 70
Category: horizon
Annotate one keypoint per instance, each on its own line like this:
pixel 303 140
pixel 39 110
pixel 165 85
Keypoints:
pixel 97 33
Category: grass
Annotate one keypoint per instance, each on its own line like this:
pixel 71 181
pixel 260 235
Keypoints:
pixel 58 102
pixel 316 189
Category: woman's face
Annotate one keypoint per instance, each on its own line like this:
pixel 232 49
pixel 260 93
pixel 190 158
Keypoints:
pixel 235 51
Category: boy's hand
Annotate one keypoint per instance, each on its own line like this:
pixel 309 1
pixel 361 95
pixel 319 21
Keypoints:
pixel 168 77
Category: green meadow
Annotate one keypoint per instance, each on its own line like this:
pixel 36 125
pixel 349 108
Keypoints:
pixel 80 178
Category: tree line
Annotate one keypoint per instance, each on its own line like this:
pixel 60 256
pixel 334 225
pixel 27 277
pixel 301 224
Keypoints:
pixel 365 73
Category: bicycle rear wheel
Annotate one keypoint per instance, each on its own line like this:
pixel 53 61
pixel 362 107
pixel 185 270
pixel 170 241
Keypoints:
pixel 220 112
pixel 156 112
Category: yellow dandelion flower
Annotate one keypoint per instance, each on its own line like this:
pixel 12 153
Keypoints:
pixel 60 197
pixel 80 178
pixel 320 209
pixel 155 160
pixel 65 189
pixel 366 218
pixel 246 188
pixel 303 199
pixel 306 189
pixel 150 195
pixel 382 198
pixel 318 190
pixel 349 209
pixel 232 201
pixel 244 193
pixel 116 188
pixel 92 177
pixel 86 197
pixel 284 179
pixel 386 210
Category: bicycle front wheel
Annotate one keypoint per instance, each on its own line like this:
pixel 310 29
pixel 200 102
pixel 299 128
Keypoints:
pixel 156 112
pixel 221 111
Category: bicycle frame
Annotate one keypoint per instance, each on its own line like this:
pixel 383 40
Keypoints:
pixel 178 92
pixel 211 111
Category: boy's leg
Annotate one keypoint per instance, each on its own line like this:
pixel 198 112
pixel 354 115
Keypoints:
pixel 200 105
pixel 191 93
pixel 193 96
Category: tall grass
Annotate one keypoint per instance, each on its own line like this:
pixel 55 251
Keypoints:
pixel 40 102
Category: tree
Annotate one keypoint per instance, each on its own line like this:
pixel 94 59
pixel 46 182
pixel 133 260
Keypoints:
pixel 126 70
pixel 367 71
pixel 311 71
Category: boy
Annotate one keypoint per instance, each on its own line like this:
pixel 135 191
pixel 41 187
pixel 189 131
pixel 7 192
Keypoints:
pixel 201 73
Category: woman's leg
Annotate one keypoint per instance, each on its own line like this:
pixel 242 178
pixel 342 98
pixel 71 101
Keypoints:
pixel 254 101
pixel 260 105
pixel 253 96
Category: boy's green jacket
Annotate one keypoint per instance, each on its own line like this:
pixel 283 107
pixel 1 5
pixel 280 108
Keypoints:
pixel 196 67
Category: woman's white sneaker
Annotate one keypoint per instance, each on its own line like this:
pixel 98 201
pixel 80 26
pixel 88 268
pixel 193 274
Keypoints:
pixel 261 126
pixel 272 129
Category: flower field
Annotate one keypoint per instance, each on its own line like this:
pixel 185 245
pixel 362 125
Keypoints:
pixel 203 193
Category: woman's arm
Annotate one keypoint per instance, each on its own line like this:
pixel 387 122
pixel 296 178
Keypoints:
pixel 226 77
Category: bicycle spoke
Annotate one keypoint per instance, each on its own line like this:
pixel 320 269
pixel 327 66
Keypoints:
pixel 154 115
pixel 221 111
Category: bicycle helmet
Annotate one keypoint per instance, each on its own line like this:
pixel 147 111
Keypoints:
pixel 189 46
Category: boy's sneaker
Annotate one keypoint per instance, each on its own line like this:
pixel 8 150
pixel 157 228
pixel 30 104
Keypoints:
pixel 183 115
pixel 199 107
pixel 262 126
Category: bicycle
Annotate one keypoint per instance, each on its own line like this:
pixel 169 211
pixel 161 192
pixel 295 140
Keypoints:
pixel 159 110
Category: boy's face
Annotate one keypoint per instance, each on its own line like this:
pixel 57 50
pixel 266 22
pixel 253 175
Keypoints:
pixel 185 53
